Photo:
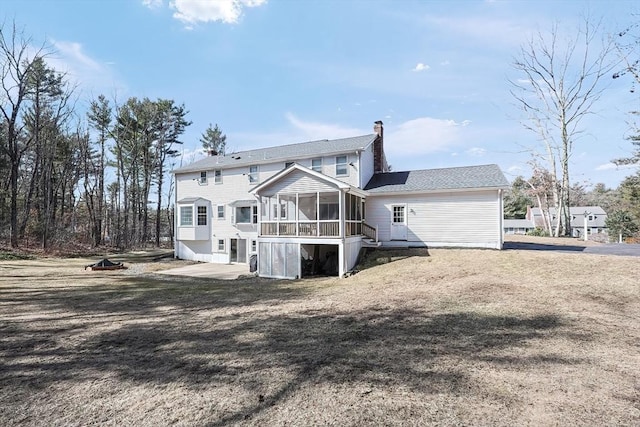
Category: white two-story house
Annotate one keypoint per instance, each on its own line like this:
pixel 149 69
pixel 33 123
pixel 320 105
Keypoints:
pixel 309 208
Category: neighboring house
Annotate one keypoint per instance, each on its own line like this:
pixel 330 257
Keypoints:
pixel 518 226
pixel 309 208
pixel 595 215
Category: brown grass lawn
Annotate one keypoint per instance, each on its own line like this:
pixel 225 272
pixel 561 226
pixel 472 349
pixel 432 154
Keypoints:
pixel 460 337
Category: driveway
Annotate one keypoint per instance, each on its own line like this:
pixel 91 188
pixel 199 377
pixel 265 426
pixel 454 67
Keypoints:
pixel 604 249
pixel 208 269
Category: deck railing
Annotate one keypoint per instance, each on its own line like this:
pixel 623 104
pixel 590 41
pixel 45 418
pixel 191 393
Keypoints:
pixel 317 229
pixel 301 229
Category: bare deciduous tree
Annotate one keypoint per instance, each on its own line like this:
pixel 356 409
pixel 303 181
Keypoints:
pixel 558 83
pixel 17 60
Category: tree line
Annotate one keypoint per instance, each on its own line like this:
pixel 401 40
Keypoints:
pixel 100 176
pixel 96 177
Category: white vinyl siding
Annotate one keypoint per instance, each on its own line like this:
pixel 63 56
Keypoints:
pixel 465 219
pixel 366 166
pixel 297 182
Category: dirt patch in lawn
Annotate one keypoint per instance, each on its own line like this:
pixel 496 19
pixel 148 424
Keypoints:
pixel 460 337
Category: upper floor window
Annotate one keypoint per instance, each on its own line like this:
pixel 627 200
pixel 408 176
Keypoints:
pixel 203 177
pixel 186 216
pixel 220 211
pixel 253 174
pixel 590 217
pixel 316 164
pixel 217 176
pixel 341 166
pixel 202 215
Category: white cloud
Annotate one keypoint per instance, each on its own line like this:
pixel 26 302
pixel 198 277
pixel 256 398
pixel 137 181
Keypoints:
pixel 613 166
pixel 481 28
pixel 152 4
pixel 422 136
pixel 476 152
pixel 81 69
pixel 194 11
pixel 314 130
pixel 72 51
pixel 514 169
pixel 295 130
pixel 420 67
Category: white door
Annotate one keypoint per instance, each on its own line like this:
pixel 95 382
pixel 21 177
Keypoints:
pixel 398 222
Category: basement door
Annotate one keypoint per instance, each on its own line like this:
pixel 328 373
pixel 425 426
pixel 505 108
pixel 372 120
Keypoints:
pixel 238 252
pixel 398 222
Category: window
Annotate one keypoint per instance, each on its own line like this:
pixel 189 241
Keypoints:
pixel 217 176
pixel 341 166
pixel 316 164
pixel 186 216
pixel 590 217
pixel 398 214
pixel 254 246
pixel 253 174
pixel 220 245
pixel 243 214
pixel 287 164
pixel 220 211
pixel 203 177
pixel 246 214
pixel 202 215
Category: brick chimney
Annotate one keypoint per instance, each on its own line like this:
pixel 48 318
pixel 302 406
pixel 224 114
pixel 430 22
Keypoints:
pixel 378 148
pixel 212 152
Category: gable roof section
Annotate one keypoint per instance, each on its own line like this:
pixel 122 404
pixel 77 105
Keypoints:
pixel 281 153
pixel 427 180
pixel 320 176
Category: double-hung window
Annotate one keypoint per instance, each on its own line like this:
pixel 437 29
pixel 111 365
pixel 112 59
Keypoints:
pixel 202 215
pixel 186 216
pixel 253 174
pixel 316 164
pixel 203 177
pixel 217 176
pixel 341 166
pixel 220 245
pixel 220 211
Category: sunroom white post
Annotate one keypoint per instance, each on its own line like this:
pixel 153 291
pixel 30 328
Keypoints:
pixel 341 196
pixel 317 213
pixel 277 212
pixel 297 214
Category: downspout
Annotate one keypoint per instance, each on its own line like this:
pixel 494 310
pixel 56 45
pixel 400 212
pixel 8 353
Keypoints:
pixel 175 218
pixel 501 229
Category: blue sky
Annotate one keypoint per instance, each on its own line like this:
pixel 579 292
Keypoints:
pixel 284 71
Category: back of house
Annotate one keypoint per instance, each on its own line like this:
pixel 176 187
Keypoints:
pixel 309 208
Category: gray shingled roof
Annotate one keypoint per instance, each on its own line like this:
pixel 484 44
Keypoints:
pixel 281 153
pixel 468 177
